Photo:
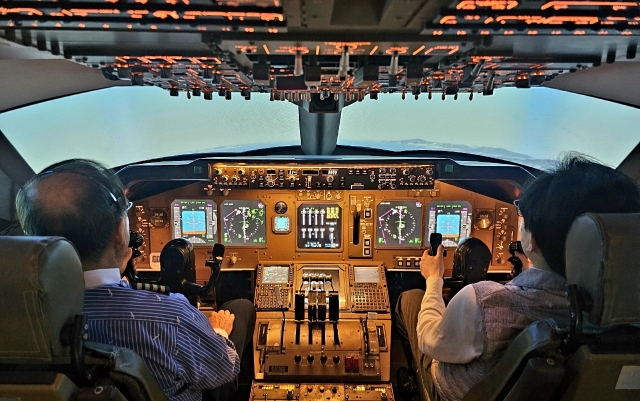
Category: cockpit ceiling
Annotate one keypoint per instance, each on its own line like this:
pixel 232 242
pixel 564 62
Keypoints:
pixel 351 48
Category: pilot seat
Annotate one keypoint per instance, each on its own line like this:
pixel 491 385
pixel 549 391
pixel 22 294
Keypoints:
pixel 43 352
pixel 595 353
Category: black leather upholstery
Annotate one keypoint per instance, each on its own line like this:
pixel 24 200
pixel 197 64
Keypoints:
pixel 42 290
pixel 603 259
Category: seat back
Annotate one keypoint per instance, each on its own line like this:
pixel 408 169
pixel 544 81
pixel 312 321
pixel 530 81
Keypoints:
pixel 42 330
pixel 42 296
pixel 603 262
pixel 596 354
pixel 42 292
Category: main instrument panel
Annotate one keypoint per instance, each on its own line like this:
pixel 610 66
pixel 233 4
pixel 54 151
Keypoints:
pixel 321 240
pixel 323 213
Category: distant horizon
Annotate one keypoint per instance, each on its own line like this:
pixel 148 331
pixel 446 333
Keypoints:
pixel 123 125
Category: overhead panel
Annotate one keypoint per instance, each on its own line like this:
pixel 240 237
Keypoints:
pixel 294 49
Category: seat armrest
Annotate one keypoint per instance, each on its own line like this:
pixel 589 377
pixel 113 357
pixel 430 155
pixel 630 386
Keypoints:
pixel 539 337
pixel 129 370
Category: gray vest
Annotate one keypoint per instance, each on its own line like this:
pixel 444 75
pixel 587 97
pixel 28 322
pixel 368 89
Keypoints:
pixel 506 310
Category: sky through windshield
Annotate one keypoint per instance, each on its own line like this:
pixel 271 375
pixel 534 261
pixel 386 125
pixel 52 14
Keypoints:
pixel 125 125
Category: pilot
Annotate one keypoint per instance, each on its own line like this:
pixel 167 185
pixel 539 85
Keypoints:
pixel 84 202
pixel 460 343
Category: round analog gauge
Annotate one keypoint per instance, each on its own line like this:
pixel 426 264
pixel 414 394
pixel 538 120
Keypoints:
pixel 281 207
pixel 483 220
pixel 158 218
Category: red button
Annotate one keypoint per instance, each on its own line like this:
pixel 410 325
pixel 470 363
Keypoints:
pixel 355 366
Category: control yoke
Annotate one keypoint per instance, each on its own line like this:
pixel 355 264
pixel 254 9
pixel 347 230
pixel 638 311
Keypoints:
pixel 177 266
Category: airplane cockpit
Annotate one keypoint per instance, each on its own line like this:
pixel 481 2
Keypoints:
pixel 297 154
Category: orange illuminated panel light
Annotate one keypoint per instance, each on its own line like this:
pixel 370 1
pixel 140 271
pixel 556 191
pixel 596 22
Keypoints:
pixel 616 5
pixel 138 13
pixel 266 49
pixel 292 49
pixel 448 20
pixel 477 59
pixel 84 12
pixel 449 49
pixel 399 49
pixel 540 20
pixel 29 11
pixel 232 15
pixel 437 33
pixel 418 50
pixel 353 47
pixel 493 4
pixel 166 14
pixel 375 49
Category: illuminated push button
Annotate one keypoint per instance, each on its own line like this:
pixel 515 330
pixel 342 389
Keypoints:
pixel 321 388
pixel 309 388
pixel 334 389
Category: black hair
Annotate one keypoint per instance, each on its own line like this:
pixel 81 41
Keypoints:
pixel 88 205
pixel 577 185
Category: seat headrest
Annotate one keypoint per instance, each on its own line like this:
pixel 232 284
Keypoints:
pixel 602 257
pixel 41 289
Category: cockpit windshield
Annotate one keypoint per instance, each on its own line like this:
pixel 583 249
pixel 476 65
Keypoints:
pixel 125 125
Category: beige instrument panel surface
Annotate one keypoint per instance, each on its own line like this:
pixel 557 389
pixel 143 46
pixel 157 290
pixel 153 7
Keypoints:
pixel 492 221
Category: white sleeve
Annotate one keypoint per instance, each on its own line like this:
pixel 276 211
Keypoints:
pixel 450 334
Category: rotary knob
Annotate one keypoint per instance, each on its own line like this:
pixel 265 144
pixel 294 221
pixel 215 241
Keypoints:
pixel 289 394
pixel 323 359
pixel 336 359
pixel 297 359
pixel 310 359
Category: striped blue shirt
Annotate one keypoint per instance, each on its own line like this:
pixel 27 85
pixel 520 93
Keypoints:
pixel 175 339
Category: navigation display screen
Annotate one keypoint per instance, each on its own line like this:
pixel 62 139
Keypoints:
pixel 366 274
pixel 399 224
pixel 452 219
pixel 319 226
pixel 275 274
pixel 243 223
pixel 194 219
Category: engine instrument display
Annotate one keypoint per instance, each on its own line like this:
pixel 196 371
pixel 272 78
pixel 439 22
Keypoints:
pixel 195 220
pixel 275 274
pixel 366 274
pixel 399 224
pixel 452 219
pixel 243 223
pixel 319 226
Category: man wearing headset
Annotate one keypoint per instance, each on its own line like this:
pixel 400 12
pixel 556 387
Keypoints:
pixel 85 202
